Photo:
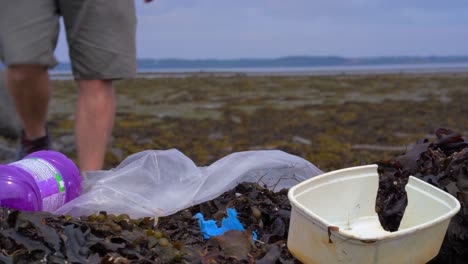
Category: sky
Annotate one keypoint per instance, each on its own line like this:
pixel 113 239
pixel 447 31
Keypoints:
pixel 226 29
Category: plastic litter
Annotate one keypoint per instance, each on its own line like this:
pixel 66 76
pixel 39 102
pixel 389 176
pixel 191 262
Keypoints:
pixel 42 181
pixel 157 183
pixel 345 228
pixel 209 227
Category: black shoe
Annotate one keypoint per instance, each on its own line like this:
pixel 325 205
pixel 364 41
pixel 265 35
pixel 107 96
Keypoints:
pixel 29 146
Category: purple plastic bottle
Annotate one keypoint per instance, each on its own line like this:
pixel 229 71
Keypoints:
pixel 42 181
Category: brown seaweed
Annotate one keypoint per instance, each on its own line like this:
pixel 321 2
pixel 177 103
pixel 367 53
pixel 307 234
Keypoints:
pixel 391 198
pixel 28 237
pixel 444 164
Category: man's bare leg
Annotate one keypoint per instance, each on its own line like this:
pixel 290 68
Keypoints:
pixel 95 114
pixel 30 89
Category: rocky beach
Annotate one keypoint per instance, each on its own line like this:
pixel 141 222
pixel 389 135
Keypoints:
pixel 332 121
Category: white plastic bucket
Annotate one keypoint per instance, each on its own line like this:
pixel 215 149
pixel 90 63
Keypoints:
pixel 333 220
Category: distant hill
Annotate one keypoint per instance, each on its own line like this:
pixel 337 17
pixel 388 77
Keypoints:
pixel 291 61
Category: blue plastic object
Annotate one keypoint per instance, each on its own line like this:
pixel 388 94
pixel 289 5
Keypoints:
pixel 209 227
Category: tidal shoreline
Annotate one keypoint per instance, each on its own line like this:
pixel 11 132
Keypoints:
pixel 293 71
pixel 332 121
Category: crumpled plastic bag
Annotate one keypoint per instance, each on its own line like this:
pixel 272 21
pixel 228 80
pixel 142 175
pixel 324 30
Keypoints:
pixel 157 183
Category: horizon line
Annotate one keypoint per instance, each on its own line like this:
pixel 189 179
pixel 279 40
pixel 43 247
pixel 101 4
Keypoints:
pixel 298 56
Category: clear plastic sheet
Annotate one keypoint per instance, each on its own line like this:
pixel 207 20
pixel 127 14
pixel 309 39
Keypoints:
pixel 156 183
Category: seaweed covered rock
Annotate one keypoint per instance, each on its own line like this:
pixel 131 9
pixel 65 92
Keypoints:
pixel 9 125
pixel 444 164
pixel 32 237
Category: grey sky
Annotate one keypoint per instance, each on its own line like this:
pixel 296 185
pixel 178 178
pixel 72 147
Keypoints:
pixel 273 28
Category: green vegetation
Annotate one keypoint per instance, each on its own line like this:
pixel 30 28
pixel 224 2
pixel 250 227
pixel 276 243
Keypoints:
pixel 332 121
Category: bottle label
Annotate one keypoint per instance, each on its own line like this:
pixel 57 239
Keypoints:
pixel 48 179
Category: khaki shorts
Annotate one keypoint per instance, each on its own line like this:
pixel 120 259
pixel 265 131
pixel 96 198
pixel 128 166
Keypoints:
pixel 100 35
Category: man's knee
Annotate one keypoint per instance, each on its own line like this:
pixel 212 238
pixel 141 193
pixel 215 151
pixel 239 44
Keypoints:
pixel 95 86
pixel 24 73
pixel 96 90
